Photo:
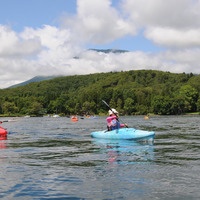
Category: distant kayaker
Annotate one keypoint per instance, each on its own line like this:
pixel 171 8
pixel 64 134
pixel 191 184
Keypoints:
pixel 113 120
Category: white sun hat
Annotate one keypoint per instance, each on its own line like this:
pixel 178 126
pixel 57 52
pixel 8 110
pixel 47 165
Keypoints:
pixel 113 111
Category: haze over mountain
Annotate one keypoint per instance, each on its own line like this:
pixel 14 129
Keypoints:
pixel 43 78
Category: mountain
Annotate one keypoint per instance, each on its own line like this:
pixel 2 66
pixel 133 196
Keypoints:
pixel 117 51
pixel 35 79
pixel 109 50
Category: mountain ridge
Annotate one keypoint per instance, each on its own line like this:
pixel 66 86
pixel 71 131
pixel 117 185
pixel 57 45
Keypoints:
pixel 35 79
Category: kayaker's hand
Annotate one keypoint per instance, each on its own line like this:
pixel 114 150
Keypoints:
pixel 126 125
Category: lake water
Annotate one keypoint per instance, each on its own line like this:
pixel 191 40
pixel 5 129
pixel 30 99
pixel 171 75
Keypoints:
pixel 53 158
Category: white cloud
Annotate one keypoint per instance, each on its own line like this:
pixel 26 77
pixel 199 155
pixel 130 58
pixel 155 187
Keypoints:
pixel 167 23
pixel 184 60
pixel 97 22
pixel 50 50
pixel 50 37
pixel 12 45
pixel 174 38
pixel 170 13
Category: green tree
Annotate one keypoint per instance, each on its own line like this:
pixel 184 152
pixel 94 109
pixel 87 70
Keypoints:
pixel 89 107
pixel 129 106
pixel 77 108
pixel 36 108
pixel 157 104
pixel 112 103
pixel 198 105
pixel 177 106
pixel 119 106
pixel 191 95
pixel 9 108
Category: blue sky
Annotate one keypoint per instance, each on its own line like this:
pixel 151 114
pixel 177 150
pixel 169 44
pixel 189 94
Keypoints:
pixel 33 13
pixel 42 37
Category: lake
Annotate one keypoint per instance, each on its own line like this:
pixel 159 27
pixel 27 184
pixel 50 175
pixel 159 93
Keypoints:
pixel 54 158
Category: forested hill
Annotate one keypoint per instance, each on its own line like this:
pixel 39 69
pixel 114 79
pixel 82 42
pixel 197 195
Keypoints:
pixel 130 92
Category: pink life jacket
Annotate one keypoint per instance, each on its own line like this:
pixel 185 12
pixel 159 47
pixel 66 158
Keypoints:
pixel 110 121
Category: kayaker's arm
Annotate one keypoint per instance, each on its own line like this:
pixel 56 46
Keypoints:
pixel 123 125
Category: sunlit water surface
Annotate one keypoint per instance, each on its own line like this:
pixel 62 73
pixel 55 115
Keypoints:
pixel 54 158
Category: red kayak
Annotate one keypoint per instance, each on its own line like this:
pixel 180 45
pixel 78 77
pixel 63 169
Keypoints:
pixel 3 132
pixel 74 119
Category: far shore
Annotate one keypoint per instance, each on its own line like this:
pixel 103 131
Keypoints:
pixel 150 114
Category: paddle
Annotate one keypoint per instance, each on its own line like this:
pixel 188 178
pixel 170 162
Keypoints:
pixel 114 113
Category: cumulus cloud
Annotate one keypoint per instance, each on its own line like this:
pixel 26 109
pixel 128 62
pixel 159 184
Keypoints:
pixel 176 14
pixel 169 37
pixel 98 22
pixel 13 46
pixel 50 36
pixel 52 50
pixel 167 23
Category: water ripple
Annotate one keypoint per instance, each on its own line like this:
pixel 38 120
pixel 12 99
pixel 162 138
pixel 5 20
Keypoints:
pixel 47 158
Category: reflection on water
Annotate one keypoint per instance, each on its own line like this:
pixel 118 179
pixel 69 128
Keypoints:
pixel 2 141
pixel 126 151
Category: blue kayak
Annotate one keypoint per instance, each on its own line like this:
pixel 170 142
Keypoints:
pixel 124 133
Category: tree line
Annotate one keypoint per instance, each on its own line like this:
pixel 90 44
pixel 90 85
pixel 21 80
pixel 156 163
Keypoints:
pixel 132 92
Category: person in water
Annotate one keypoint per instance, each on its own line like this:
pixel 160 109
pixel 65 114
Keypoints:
pixel 113 120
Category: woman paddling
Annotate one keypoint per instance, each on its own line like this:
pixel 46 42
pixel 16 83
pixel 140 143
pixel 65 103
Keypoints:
pixel 113 120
